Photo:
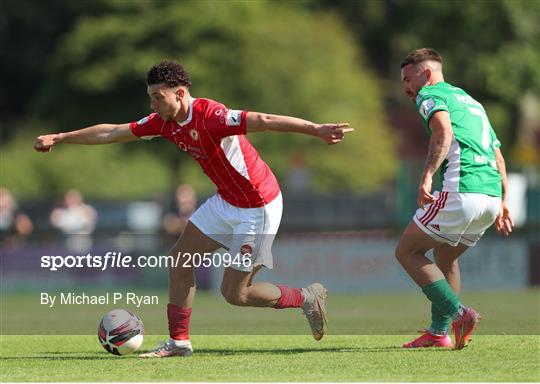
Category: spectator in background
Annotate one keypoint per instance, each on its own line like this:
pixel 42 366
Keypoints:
pixel 14 224
pixel 75 217
pixel 185 204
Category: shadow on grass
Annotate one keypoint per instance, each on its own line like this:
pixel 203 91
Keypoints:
pixel 58 358
pixel 293 351
pixel 227 352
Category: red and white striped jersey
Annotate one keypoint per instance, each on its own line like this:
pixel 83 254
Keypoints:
pixel 215 136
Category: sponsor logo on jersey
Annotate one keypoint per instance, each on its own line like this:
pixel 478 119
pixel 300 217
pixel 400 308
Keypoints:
pixel 234 118
pixel 143 120
pixel 219 114
pixel 466 99
pixel 194 134
pixel 426 107
pixel 191 148
pixel 480 159
pixel 435 226
pixel 182 146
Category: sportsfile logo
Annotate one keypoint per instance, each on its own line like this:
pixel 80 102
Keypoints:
pixel 102 262
pixel 119 260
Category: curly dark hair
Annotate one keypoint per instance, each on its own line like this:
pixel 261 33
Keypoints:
pixel 169 72
pixel 421 54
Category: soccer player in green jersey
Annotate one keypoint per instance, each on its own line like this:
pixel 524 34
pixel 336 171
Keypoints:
pixel 473 197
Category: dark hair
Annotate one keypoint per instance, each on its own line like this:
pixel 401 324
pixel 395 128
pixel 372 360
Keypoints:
pixel 168 72
pixel 421 54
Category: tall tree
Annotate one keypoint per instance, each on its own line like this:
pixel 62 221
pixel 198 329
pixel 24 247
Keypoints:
pixel 255 55
pixel 491 48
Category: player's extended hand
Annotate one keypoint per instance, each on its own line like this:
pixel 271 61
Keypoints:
pixel 504 222
pixel 333 133
pixel 424 192
pixel 44 143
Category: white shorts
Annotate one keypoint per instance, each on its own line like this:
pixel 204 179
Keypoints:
pixel 458 217
pixel 241 230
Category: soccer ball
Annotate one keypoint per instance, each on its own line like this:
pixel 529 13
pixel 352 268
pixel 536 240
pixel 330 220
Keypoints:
pixel 120 332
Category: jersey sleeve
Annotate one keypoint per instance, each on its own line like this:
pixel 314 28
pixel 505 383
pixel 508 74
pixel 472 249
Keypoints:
pixel 222 122
pixel 494 140
pixel 428 103
pixel 148 127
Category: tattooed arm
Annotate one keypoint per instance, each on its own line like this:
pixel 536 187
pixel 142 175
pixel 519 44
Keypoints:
pixel 441 137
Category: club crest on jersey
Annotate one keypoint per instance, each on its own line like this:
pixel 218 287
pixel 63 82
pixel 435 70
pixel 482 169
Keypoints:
pixel 426 107
pixel 194 134
pixel 246 250
pixel 234 118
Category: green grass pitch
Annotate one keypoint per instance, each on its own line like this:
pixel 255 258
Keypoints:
pixel 367 332
pixel 274 358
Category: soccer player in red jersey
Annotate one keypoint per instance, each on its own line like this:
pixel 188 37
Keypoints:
pixel 245 213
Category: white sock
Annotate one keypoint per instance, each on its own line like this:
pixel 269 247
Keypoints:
pixel 309 298
pixel 457 316
pixel 181 343
pixel 437 332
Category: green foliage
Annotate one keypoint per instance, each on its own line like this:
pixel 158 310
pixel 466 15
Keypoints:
pixel 250 55
pixel 491 48
pixel 29 30
pixel 85 62
pixel 105 172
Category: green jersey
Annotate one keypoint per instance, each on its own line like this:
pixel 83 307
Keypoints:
pixel 470 163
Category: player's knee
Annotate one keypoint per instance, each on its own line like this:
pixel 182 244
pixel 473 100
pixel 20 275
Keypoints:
pixel 398 253
pixel 234 296
pixel 401 252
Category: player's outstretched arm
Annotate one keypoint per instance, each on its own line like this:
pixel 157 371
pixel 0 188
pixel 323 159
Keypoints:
pixel 439 144
pixel 330 133
pixel 504 222
pixel 96 134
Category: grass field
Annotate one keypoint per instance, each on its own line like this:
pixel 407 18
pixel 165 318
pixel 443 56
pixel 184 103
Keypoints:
pixel 276 358
pixel 367 332
pixel 504 312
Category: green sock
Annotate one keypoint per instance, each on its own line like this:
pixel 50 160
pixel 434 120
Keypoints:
pixel 443 297
pixel 439 321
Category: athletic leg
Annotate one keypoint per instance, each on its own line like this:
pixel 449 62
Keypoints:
pixel 182 279
pixel 410 252
pixel 239 289
pixel 446 258
pixel 182 292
